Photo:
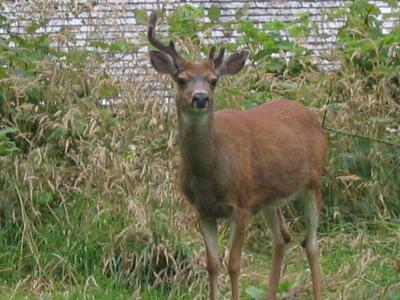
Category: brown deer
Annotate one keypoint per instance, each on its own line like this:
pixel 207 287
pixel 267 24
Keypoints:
pixel 233 163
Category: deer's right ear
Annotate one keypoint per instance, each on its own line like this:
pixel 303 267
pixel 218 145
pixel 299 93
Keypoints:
pixel 162 63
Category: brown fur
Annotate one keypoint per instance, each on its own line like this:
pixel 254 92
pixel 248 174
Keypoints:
pixel 235 162
pixel 247 159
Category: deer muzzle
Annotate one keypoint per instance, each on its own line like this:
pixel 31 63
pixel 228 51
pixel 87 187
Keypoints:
pixel 200 100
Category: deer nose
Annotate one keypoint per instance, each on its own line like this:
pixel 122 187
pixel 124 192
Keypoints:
pixel 200 100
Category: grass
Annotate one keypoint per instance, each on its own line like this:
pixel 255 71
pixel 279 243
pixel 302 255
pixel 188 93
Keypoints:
pixel 96 214
pixel 89 202
pixel 356 263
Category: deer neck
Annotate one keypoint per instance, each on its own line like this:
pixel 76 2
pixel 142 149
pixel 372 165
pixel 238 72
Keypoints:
pixel 196 140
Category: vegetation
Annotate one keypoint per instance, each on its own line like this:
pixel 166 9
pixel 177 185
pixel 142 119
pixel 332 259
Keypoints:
pixel 89 206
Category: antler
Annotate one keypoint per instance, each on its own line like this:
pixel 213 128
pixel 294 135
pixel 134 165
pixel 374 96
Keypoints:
pixel 220 58
pixel 170 50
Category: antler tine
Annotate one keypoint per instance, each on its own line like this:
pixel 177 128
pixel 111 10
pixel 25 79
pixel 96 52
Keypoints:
pixel 170 50
pixel 220 58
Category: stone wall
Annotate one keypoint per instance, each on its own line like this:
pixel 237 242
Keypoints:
pixel 75 23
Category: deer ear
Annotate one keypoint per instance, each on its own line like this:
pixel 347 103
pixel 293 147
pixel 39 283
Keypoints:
pixel 162 63
pixel 233 64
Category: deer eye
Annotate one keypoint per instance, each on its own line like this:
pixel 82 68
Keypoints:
pixel 182 81
pixel 213 81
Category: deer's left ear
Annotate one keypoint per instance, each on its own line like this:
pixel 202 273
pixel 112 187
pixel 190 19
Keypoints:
pixel 233 64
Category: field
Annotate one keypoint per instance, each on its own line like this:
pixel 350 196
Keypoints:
pixel 89 202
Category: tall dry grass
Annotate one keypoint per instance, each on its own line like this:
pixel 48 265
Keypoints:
pixel 88 195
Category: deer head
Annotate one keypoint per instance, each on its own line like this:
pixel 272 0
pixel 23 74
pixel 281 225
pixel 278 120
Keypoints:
pixel 195 81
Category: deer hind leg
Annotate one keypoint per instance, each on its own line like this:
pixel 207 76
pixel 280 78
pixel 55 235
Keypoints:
pixel 209 230
pixel 312 210
pixel 285 232
pixel 238 236
pixel 281 237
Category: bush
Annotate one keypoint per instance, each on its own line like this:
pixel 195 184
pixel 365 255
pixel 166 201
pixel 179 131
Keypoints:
pixel 87 190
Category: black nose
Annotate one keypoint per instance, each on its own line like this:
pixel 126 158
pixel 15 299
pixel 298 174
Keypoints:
pixel 200 100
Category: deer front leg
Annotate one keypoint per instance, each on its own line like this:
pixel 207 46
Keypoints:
pixel 209 230
pixel 238 235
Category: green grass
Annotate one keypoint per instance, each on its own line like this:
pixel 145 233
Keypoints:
pixel 89 202
pixel 356 263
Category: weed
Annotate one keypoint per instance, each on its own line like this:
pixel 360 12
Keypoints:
pixel 89 206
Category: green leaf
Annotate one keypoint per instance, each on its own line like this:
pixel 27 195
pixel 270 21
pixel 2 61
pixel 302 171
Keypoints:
pixel 363 145
pixel 77 56
pixel 7 148
pixel 140 16
pixel 6 145
pixel 45 198
pixel 185 21
pixel 58 134
pixel 274 25
pixel 100 44
pixel 393 4
pixel 394 295
pixel 358 164
pixel 275 65
pixel 3 20
pixel 333 108
pixel 260 55
pixel 108 91
pixel 269 45
pixel 247 26
pixel 7 130
pixel 35 26
pixel 19 41
pixel 241 12
pixel 118 45
pixel 249 104
pixel 121 45
pixel 227 25
pixel 285 45
pixel 255 293
pixel 214 13
pixel 298 31
pixel 284 286
pixel 289 85
pixel 3 72
pixel 382 120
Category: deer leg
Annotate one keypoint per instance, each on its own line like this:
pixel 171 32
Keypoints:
pixel 209 230
pixel 238 235
pixel 285 232
pixel 280 236
pixel 312 209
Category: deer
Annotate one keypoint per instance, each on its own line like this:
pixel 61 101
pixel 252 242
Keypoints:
pixel 235 163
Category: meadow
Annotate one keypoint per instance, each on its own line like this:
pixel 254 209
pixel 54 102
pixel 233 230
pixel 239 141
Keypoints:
pixel 89 202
